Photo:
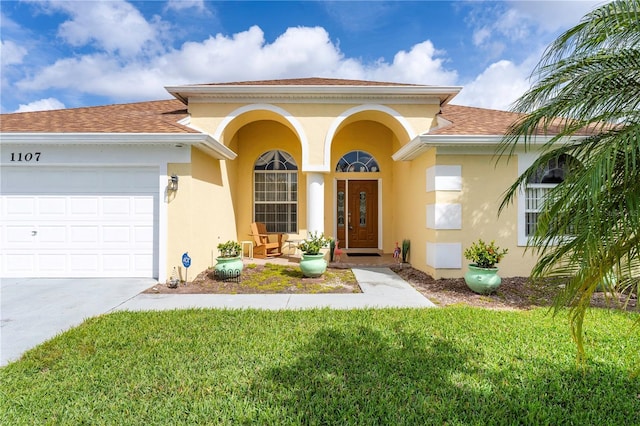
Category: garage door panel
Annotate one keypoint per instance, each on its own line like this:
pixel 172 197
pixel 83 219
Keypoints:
pixel 116 235
pixel 51 235
pixel 89 222
pixel 86 262
pixel 84 234
pixel 115 262
pixel 117 206
pixel 143 234
pixel 19 263
pixel 143 207
pixel 142 262
pixel 83 207
pixel 53 263
pixel 52 207
pixel 18 235
pixel 16 207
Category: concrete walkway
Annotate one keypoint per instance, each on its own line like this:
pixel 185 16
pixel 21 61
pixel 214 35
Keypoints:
pixel 381 288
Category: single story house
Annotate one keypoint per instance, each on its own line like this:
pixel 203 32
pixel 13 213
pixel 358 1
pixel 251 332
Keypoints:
pixel 125 190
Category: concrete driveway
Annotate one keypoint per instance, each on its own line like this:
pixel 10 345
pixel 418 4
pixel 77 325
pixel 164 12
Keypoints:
pixel 34 310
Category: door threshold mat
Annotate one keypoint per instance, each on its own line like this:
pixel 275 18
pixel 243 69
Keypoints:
pixel 363 254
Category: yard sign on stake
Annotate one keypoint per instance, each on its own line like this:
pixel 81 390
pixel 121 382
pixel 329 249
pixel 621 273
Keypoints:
pixel 186 262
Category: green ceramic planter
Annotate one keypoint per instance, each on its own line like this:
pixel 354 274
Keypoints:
pixel 229 266
pixel 482 280
pixel 313 265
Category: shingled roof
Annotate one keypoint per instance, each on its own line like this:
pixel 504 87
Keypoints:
pixel 475 121
pixel 311 81
pixel 140 117
pixel 163 116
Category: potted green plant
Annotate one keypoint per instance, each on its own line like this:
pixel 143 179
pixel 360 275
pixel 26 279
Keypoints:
pixel 482 276
pixel 313 263
pixel 229 263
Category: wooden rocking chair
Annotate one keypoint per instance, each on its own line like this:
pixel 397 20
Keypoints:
pixel 264 246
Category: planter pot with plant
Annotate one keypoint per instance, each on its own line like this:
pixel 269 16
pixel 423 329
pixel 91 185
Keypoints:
pixel 482 276
pixel 313 264
pixel 229 263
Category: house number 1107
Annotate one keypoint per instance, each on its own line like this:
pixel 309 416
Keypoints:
pixel 25 156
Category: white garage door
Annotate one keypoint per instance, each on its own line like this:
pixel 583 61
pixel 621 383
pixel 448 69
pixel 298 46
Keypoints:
pixel 79 222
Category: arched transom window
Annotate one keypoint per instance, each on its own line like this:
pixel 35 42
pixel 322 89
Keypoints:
pixel 275 191
pixel 539 184
pixel 357 161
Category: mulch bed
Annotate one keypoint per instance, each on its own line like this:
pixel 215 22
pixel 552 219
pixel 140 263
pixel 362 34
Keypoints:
pixel 261 279
pixel 513 293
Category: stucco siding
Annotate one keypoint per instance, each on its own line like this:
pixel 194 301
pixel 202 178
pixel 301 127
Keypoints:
pixel 483 185
pixel 200 212
pixel 412 198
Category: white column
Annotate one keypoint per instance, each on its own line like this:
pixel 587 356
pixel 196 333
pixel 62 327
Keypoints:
pixel 315 202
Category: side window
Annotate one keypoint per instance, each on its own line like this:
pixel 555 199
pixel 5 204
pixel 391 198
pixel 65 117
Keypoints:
pixel 553 173
pixel 275 191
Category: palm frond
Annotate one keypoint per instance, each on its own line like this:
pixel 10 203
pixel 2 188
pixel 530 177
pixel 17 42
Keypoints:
pixel 586 103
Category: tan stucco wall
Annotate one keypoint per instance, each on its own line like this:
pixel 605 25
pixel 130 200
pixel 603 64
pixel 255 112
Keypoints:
pixel 412 196
pixel 200 214
pixel 315 120
pixel 483 185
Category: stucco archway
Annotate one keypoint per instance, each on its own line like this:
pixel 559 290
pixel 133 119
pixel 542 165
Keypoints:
pixel 380 113
pixel 248 113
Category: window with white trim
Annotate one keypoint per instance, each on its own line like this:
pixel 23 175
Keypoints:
pixel 538 187
pixel 275 191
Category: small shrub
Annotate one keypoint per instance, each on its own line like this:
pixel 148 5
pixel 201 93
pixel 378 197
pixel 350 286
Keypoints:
pixel 484 255
pixel 313 243
pixel 229 249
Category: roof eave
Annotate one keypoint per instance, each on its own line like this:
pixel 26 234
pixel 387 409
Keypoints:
pixel 201 141
pixel 423 142
pixel 443 93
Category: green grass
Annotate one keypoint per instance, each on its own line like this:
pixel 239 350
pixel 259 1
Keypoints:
pixel 432 366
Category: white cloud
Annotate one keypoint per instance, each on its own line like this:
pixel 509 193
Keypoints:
pixel 181 5
pixel 517 26
pixel 420 65
pixel 99 74
pixel 553 15
pixel 41 105
pixel 11 53
pixel 298 52
pixel 114 26
pixel 480 35
pixel 497 87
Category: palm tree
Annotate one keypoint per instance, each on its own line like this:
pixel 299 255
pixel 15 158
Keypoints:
pixel 586 95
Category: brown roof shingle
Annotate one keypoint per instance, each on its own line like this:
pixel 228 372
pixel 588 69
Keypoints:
pixel 475 121
pixel 467 120
pixel 140 117
pixel 311 81
pixel 163 117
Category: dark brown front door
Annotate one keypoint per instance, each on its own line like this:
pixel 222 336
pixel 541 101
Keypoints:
pixel 358 213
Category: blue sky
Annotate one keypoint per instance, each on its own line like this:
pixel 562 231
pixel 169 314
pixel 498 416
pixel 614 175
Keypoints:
pixel 65 54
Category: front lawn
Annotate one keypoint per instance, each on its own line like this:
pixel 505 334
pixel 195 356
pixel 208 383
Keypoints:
pixel 431 366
